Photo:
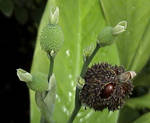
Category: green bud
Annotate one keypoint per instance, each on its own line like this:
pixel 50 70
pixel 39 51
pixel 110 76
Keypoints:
pixel 24 75
pixel 119 28
pixel 87 52
pixel 80 83
pixel 36 81
pixel 39 82
pixel 51 38
pixel 54 15
pixel 107 35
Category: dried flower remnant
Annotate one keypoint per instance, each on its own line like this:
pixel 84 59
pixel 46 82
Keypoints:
pixel 104 87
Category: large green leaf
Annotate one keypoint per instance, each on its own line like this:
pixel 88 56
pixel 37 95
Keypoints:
pixel 133 46
pixel 81 21
pixel 128 115
pixel 6 6
pixel 143 78
pixel 139 102
pixel 143 119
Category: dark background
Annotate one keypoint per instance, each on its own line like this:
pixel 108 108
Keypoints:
pixel 17 38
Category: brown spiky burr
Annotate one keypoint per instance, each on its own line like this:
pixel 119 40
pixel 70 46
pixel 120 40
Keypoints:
pixel 103 87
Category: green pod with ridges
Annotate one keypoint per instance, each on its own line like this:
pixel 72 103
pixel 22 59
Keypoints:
pixel 39 82
pixel 51 38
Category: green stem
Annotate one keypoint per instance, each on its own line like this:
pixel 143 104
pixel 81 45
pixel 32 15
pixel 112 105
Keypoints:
pixel 51 66
pixel 43 119
pixel 83 71
pixel 77 106
pixel 87 62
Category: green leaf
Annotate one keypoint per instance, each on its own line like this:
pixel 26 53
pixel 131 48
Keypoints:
pixel 43 107
pixel 81 22
pixel 143 119
pixel 6 6
pixel 51 95
pixel 133 46
pixel 139 102
pixel 21 15
pixel 46 102
pixel 143 78
pixel 127 115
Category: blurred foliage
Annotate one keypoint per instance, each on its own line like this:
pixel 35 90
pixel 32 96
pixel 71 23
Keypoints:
pixel 25 16
pixel 127 115
pixel 137 108
pixel 23 10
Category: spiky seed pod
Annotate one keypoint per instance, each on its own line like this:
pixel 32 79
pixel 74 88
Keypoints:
pixel 102 88
pixel 51 38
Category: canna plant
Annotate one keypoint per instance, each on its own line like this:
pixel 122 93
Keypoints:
pixel 62 54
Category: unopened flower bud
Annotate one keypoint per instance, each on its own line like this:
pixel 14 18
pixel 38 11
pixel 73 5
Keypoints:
pixel 107 35
pixel 119 28
pixel 87 52
pixel 80 83
pixel 54 15
pixel 39 82
pixel 36 81
pixel 24 75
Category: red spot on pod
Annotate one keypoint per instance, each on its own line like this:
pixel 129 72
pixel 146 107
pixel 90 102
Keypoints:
pixel 107 91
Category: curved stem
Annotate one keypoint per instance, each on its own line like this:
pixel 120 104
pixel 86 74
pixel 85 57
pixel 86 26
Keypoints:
pixel 83 71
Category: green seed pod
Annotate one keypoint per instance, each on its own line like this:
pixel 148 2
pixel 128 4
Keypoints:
pixel 51 38
pixel 39 82
pixel 106 36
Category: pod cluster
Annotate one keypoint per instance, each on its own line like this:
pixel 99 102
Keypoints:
pixel 103 88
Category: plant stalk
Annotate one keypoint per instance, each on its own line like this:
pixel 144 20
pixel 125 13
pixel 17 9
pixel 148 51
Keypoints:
pixel 83 71
pixel 51 66
pixel 88 61
pixel 51 59
pixel 77 106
